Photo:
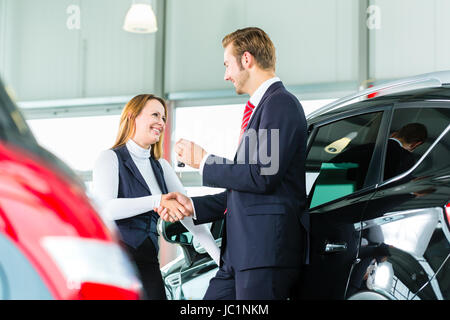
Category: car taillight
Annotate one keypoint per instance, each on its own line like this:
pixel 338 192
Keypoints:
pixel 98 291
pixel 447 213
pixel 99 269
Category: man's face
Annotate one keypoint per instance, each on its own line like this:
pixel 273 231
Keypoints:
pixel 234 71
pixel 407 146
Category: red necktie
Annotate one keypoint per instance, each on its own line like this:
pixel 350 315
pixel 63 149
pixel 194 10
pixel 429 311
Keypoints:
pixel 249 107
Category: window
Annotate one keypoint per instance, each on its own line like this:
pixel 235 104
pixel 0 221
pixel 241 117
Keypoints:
pixel 339 157
pixel 412 132
pixel 437 159
pixel 77 141
pixel 214 128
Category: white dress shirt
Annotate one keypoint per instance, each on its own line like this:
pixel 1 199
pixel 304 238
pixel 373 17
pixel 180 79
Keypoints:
pixel 398 141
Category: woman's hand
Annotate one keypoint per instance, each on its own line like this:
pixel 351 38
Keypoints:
pixel 173 211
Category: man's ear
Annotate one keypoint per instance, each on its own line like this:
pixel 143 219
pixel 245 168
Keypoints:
pixel 247 59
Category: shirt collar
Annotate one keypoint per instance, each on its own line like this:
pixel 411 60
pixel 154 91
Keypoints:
pixel 255 99
pixel 398 141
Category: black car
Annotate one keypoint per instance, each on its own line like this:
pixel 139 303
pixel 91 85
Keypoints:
pixel 378 182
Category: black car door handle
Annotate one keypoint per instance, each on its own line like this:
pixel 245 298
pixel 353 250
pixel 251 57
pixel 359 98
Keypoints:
pixel 335 247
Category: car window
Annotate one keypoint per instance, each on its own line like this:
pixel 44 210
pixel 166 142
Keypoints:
pixel 437 159
pixel 412 132
pixel 339 157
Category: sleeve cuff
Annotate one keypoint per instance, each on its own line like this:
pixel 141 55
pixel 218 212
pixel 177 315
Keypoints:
pixel 157 203
pixel 202 163
pixel 194 215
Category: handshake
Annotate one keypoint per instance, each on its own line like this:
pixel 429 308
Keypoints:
pixel 174 207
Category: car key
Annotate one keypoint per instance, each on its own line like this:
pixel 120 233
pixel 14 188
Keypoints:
pixel 181 165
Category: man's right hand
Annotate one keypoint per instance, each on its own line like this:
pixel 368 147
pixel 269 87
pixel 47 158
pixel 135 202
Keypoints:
pixel 174 207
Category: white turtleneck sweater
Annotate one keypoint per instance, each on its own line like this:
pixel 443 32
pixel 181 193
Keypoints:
pixel 106 186
pixel 106 183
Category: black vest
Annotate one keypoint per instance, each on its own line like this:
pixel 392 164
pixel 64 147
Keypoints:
pixel 135 230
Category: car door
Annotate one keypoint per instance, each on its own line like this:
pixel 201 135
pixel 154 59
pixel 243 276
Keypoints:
pixel 405 252
pixel 189 279
pixel 340 181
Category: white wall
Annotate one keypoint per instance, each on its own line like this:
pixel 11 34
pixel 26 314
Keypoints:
pixel 44 60
pixel 316 40
pixel 413 38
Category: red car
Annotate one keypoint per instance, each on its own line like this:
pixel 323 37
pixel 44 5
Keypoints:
pixel 53 244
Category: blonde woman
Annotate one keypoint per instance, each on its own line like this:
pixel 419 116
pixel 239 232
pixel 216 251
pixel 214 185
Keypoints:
pixel 131 178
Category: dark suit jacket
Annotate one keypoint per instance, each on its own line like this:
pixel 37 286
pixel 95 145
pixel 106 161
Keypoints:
pixel 398 160
pixel 262 227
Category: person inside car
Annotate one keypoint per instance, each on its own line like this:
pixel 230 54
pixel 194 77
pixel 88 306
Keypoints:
pixel 401 144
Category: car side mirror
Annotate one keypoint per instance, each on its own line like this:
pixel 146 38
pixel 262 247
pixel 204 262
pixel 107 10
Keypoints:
pixel 174 232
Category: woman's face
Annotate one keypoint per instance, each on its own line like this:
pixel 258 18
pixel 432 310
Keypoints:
pixel 150 124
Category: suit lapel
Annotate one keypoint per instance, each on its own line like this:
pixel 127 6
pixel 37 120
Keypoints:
pixel 267 94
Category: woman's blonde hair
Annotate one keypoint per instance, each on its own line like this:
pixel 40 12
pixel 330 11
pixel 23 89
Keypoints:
pixel 127 126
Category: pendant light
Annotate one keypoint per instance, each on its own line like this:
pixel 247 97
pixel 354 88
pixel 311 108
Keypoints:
pixel 140 18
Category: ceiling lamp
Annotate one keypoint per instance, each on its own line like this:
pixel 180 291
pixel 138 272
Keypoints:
pixel 140 19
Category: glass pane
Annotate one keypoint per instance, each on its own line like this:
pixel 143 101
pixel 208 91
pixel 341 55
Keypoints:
pixel 339 158
pixel 412 132
pixel 215 128
pixel 77 141
pixel 437 159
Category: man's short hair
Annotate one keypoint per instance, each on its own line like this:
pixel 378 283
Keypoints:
pixel 413 132
pixel 256 42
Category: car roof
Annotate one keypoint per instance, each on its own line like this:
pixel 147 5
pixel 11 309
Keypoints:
pixel 428 94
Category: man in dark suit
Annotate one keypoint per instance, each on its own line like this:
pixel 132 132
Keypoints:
pixel 264 238
pixel 401 144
